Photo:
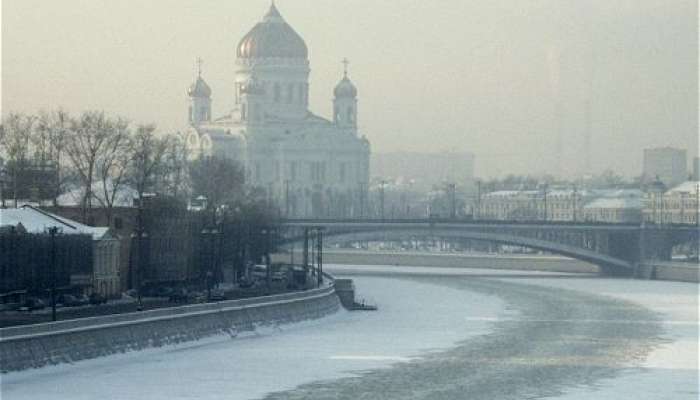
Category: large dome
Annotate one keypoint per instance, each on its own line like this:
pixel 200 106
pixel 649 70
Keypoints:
pixel 272 38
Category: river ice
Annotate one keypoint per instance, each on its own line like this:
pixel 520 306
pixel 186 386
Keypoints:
pixel 416 319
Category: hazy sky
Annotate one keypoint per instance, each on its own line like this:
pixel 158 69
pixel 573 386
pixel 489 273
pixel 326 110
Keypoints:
pixel 482 76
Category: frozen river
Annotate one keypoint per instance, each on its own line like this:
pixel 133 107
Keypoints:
pixel 439 334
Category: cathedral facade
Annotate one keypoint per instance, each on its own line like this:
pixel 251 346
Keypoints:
pixel 307 165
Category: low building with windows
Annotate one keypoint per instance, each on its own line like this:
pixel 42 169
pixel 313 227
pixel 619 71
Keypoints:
pixel 532 205
pixel 102 277
pixel 678 205
pixel 614 209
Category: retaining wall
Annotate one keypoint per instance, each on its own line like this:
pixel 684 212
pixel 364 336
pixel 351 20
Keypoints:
pixel 516 262
pixel 672 271
pixel 34 346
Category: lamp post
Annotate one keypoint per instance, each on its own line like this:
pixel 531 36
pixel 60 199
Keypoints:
pixel 381 198
pixel 138 237
pixel 210 234
pixel 478 199
pixel 53 231
pixel 452 188
pixel 544 195
pixel 3 181
pixel 575 193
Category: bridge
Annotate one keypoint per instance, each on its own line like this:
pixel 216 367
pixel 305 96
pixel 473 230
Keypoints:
pixel 616 248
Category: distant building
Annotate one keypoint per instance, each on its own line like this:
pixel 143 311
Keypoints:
pixel 696 168
pixel 306 164
pixel 615 206
pixel 679 205
pixel 669 164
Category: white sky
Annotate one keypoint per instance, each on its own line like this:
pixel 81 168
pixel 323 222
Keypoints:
pixel 479 76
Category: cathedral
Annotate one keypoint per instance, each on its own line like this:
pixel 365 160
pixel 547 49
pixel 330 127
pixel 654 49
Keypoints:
pixel 307 165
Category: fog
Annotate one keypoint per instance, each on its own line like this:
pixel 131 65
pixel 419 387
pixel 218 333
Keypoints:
pixel 506 80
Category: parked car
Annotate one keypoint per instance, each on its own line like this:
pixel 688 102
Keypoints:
pixel 163 291
pixel 179 296
pixel 97 298
pixel 32 303
pixel 217 295
pixel 69 300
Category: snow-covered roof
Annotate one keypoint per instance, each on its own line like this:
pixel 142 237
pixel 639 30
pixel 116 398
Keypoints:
pixel 38 221
pixel 688 187
pixel 124 198
pixel 629 202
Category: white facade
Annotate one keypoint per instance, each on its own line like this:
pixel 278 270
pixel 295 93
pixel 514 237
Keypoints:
pixel 678 205
pixel 307 165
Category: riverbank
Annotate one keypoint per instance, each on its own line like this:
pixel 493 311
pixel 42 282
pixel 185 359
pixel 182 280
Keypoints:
pixel 39 345
pixel 658 270
pixel 522 262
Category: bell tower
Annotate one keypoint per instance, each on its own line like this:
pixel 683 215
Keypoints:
pixel 345 102
pixel 200 99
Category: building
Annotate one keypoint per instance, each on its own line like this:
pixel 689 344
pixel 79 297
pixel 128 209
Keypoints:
pixel 615 206
pixel 696 168
pixel 309 165
pixel 679 205
pixel 531 205
pixel 101 275
pixel 668 164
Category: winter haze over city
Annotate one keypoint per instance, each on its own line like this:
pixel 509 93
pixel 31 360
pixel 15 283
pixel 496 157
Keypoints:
pixel 336 199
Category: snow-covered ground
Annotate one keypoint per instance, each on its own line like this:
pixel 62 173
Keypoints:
pixel 413 319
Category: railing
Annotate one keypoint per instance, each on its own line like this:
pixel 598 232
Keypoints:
pixel 106 321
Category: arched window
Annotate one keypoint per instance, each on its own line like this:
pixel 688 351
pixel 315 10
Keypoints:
pixel 336 114
pixel 351 116
pixel 290 93
pixel 278 92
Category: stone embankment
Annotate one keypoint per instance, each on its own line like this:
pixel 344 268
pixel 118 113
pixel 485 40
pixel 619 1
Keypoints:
pixel 669 271
pixel 452 260
pixel 34 346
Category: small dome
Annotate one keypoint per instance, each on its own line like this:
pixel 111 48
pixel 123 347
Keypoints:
pixel 272 38
pixel 199 89
pixel 345 88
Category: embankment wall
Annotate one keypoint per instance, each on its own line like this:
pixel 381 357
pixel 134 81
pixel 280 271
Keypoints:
pixel 35 346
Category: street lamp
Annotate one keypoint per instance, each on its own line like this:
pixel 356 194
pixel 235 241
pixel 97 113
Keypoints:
pixel 3 180
pixel 138 237
pixel 545 186
pixel 210 233
pixel 53 231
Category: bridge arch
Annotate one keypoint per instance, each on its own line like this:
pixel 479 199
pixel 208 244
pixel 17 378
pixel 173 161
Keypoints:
pixel 608 264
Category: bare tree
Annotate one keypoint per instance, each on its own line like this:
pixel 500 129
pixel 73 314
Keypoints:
pixel 176 180
pixel 112 165
pixel 49 142
pixel 88 138
pixel 15 144
pixel 147 167
pixel 220 180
